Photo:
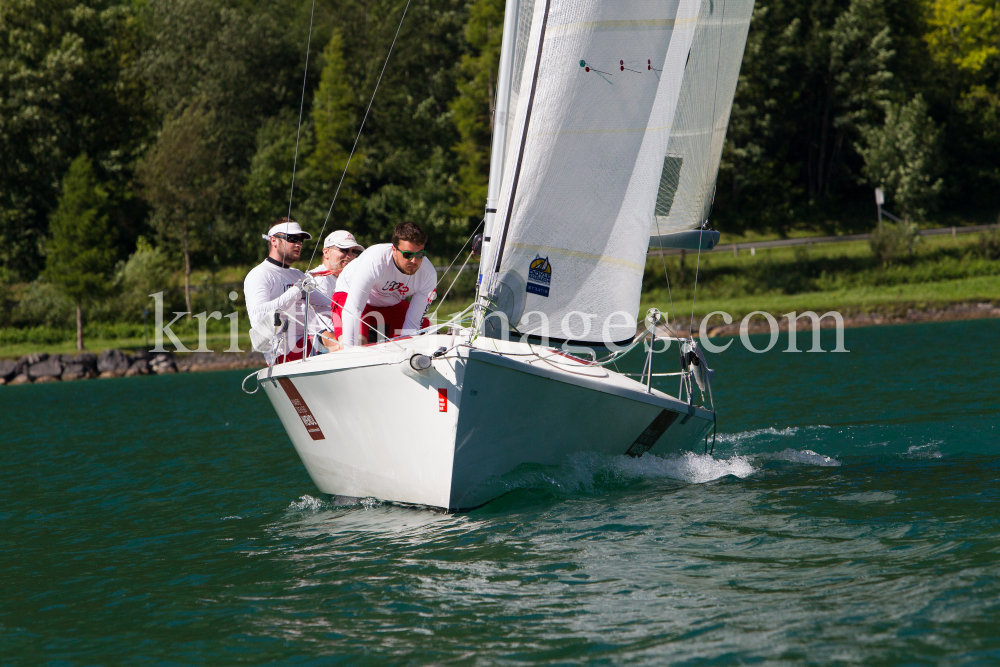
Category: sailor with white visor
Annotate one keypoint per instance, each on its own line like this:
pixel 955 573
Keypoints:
pixel 339 248
pixel 276 296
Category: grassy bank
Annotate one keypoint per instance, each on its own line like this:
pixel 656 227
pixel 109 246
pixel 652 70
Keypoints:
pixel 844 277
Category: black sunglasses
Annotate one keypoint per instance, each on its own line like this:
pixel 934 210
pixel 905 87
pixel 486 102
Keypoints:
pixel 291 238
pixel 353 252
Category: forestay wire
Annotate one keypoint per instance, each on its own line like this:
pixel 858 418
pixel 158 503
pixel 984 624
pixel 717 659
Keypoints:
pixel 715 100
pixel 360 130
pixel 302 104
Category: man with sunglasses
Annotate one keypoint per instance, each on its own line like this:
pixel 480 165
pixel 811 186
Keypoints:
pixel 339 249
pixel 377 284
pixel 275 290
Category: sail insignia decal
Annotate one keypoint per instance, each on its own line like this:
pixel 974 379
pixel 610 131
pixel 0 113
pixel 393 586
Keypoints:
pixel 539 276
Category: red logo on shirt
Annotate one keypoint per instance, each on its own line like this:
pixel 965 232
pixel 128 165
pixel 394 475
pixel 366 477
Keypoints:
pixel 393 286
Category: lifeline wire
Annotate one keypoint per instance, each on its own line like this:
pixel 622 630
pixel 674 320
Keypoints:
pixel 360 130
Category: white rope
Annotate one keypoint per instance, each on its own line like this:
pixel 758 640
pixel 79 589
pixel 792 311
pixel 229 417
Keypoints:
pixel 360 130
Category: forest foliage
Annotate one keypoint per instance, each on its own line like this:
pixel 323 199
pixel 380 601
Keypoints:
pixel 188 111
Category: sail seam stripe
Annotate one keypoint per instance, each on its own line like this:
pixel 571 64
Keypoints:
pixel 524 139
pixel 620 25
pixel 579 255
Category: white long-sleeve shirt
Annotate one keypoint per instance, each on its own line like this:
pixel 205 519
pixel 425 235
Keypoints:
pixel 326 282
pixel 374 279
pixel 270 288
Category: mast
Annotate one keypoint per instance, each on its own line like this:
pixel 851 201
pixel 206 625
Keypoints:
pixel 501 115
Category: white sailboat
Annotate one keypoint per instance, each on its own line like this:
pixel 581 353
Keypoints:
pixel 608 133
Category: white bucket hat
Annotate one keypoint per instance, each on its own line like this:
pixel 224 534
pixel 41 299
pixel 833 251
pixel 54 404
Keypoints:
pixel 285 228
pixel 342 239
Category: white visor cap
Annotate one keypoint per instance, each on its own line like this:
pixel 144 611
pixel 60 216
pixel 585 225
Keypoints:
pixel 287 228
pixel 342 239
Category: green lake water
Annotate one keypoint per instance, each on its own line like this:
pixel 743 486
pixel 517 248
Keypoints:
pixel 850 514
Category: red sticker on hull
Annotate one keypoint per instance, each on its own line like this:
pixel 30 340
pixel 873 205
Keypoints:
pixel 442 400
pixel 305 414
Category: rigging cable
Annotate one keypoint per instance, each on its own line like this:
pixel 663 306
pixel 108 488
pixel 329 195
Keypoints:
pixel 715 100
pixel 663 258
pixel 302 104
pixel 360 130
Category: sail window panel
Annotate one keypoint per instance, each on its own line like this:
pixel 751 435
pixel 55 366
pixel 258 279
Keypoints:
pixel 669 180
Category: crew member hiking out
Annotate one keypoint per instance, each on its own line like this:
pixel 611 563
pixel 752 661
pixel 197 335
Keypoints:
pixel 376 285
pixel 276 294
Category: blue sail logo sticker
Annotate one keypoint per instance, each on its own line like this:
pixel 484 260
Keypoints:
pixel 539 276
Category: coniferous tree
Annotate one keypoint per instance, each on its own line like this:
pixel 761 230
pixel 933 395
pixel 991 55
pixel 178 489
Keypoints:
pixel 80 251
pixel 181 175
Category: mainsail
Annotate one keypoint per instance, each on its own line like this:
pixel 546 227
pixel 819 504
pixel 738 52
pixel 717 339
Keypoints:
pixel 587 131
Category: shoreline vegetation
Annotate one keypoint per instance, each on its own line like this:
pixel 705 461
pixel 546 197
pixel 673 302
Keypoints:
pixel 938 278
pixel 149 145
pixel 42 367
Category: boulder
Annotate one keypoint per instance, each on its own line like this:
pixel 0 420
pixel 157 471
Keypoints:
pixel 164 367
pixel 46 378
pixel 50 367
pixel 163 363
pixel 110 374
pixel 78 372
pixel 138 367
pixel 87 359
pixel 113 361
pixel 20 379
pixel 8 369
pixel 26 361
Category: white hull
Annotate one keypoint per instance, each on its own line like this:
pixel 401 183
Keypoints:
pixel 366 424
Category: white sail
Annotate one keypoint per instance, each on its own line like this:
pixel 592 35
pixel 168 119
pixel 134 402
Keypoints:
pixel 691 165
pixel 596 102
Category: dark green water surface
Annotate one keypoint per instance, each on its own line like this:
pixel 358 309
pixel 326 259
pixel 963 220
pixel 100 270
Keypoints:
pixel 849 515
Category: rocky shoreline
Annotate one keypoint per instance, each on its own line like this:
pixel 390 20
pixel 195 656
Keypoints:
pixel 42 367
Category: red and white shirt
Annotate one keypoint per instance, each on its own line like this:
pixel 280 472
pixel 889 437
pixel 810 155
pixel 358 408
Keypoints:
pixel 375 280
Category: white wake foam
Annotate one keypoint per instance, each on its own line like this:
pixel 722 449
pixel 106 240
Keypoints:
pixel 756 434
pixel 305 503
pixel 806 456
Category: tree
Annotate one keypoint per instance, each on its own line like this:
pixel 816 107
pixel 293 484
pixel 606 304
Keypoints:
pixel 333 118
pixel 182 182
pixel 903 157
pixel 472 109
pixel 66 87
pixel 80 251
pixel 266 190
pixel 240 63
